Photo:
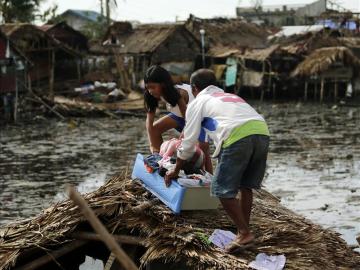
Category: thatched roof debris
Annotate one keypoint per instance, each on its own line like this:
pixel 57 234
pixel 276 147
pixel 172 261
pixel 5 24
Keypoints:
pixel 322 59
pixel 308 42
pixel 145 38
pixel 259 54
pixel 180 237
pixel 223 35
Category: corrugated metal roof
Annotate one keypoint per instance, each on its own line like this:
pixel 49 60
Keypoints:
pixel 89 15
pixel 298 30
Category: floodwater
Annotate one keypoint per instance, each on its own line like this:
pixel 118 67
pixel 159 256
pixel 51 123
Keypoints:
pixel 313 166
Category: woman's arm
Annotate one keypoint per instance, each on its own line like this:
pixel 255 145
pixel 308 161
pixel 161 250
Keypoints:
pixel 183 101
pixel 150 116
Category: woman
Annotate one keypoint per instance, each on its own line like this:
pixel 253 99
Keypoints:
pixel 159 86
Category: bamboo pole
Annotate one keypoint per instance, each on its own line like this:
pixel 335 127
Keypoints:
pixel 52 255
pixel 107 238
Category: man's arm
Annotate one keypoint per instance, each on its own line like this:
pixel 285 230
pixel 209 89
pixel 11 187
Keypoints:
pixel 175 173
pixel 191 134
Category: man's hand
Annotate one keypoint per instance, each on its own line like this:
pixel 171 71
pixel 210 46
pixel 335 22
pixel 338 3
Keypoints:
pixel 169 176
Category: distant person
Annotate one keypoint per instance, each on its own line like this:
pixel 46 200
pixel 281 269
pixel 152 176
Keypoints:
pixel 159 86
pixel 241 138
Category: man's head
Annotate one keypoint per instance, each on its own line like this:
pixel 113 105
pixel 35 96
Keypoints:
pixel 201 79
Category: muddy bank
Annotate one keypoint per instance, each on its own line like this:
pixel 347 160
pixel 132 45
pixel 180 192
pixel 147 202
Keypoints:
pixel 314 161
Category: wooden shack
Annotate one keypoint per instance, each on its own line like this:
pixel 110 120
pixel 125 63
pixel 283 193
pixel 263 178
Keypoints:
pixel 48 55
pixel 330 69
pixel 170 45
pixel 13 73
pixel 67 35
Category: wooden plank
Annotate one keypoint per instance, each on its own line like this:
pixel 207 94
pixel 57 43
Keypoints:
pixel 52 255
pixel 107 238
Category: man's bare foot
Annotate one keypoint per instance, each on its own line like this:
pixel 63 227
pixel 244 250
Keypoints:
pixel 241 242
pixel 243 239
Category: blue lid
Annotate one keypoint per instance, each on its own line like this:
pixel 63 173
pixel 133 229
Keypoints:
pixel 172 196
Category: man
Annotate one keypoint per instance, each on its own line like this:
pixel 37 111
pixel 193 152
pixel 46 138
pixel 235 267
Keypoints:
pixel 241 138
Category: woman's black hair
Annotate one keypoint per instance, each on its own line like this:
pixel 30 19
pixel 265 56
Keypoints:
pixel 157 74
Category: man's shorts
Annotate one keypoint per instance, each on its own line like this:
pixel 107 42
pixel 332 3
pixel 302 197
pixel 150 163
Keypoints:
pixel 240 165
pixel 181 124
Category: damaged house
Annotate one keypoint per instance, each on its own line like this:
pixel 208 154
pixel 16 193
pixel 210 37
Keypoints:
pixel 223 40
pixel 13 75
pixel 67 35
pixel 331 70
pixel 169 45
pixel 49 56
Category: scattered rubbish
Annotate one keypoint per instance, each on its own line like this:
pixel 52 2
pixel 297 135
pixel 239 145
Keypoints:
pixel 266 262
pixel 221 238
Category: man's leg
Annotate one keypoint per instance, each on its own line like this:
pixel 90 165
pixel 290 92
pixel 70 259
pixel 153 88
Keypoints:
pixel 234 210
pixel 246 203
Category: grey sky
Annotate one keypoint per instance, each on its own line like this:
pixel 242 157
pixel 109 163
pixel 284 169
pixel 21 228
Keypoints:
pixel 169 10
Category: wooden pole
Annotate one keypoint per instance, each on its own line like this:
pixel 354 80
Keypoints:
pixel 123 239
pixel 29 82
pixel 262 95
pixel 315 90
pixel 358 239
pixel 336 91
pixel 322 90
pixel 306 91
pixel 51 75
pixel 107 238
pixel 52 255
pixel 78 67
pixel 16 96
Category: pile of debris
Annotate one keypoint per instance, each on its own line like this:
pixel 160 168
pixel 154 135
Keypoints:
pixel 124 205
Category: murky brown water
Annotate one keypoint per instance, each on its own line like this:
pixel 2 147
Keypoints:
pixel 314 161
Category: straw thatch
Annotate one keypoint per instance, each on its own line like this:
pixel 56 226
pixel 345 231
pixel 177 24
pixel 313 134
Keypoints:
pixel 223 35
pixel 322 59
pixel 179 238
